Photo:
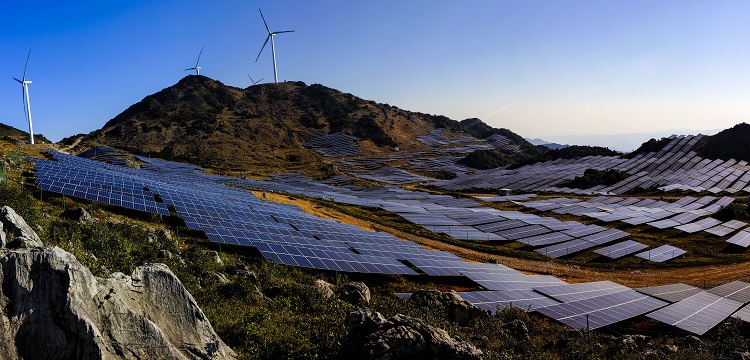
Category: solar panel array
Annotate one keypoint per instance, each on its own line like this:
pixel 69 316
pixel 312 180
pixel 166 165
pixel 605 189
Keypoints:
pixel 675 167
pixel 286 235
pixel 687 214
pixel 334 145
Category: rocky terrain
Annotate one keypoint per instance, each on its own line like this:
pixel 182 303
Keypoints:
pixel 55 308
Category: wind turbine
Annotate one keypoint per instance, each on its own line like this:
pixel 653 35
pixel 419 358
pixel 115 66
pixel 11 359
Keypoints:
pixel 25 89
pixel 253 81
pixel 271 35
pixel 197 68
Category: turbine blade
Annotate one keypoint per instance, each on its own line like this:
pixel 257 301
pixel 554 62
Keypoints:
pixel 281 32
pixel 263 47
pixel 199 56
pixel 189 69
pixel 19 81
pixel 264 22
pixel 27 64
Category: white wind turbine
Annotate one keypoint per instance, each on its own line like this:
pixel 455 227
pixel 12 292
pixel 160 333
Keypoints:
pixel 197 68
pixel 253 81
pixel 27 106
pixel 271 35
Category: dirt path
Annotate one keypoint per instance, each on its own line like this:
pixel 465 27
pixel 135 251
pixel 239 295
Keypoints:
pixel 712 274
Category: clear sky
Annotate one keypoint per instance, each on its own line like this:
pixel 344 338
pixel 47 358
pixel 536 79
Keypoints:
pixel 545 69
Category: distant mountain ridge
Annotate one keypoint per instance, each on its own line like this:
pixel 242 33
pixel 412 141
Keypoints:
pixel 263 128
pixel 547 144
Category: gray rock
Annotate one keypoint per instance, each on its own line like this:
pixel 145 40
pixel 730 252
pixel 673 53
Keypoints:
pixel 324 288
pixel 166 234
pixel 221 278
pixel 400 337
pixel 635 342
pixel 52 307
pixel 78 214
pixel 152 238
pixel 355 292
pixel 2 236
pixel 518 329
pixel 242 270
pixel 458 310
pixel 672 348
pixel 23 235
pixel 217 258
pixel 166 254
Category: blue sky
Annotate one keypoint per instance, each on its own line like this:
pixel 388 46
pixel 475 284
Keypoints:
pixel 546 69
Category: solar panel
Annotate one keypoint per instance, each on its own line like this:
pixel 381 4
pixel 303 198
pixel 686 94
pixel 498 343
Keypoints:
pixel 546 239
pixel 672 293
pixel 742 238
pixel 621 249
pixel 698 313
pixel 525 299
pixel 593 313
pixel 699 225
pixel 736 290
pixel 661 254
pixel 510 281
pixel 580 291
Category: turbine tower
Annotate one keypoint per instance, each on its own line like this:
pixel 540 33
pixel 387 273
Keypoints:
pixel 27 106
pixel 271 35
pixel 197 68
pixel 253 81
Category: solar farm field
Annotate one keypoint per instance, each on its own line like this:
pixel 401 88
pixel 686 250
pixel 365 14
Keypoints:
pixel 547 235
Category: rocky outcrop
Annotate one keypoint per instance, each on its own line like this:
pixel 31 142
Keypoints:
pixel 457 309
pixel 13 224
pixel 373 337
pixel 52 307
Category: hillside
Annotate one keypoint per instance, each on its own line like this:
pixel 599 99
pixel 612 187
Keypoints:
pixel 727 144
pixel 13 135
pixel 263 128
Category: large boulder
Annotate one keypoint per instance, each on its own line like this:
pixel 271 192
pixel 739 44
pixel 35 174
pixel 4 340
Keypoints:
pixel 23 235
pixel 355 292
pixel 457 309
pixel 373 337
pixel 52 307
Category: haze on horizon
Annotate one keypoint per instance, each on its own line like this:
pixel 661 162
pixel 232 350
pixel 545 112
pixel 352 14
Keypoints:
pixel 543 69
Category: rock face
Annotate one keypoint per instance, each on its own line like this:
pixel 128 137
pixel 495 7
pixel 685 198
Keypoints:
pixel 13 224
pixel 458 309
pixel 373 337
pixel 52 307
